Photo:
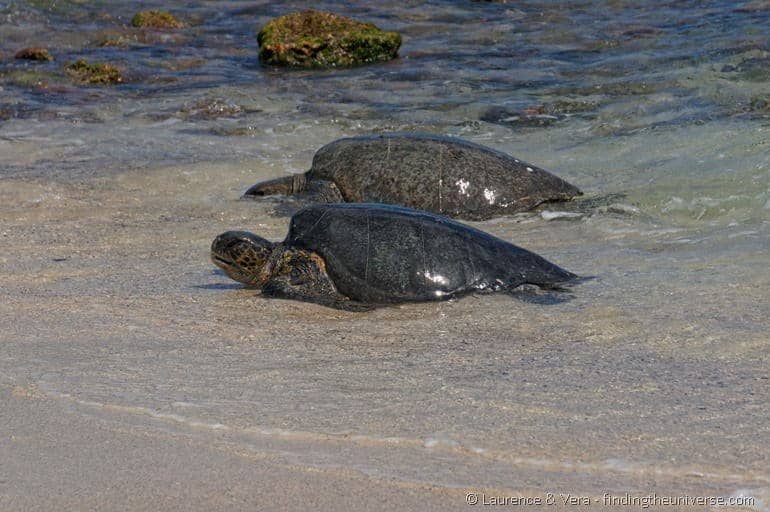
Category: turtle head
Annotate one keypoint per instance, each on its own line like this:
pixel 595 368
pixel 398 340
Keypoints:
pixel 243 256
pixel 277 187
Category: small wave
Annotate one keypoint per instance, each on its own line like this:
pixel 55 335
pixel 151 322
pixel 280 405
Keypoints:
pixel 442 442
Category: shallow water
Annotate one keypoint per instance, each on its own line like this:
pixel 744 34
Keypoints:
pixel 651 377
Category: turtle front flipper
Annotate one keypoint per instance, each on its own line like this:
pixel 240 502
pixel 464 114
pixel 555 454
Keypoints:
pixel 280 289
pixel 301 275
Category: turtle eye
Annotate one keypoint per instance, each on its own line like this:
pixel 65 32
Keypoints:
pixel 296 276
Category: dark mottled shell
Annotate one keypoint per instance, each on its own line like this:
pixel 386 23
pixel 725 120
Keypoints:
pixel 378 253
pixel 438 174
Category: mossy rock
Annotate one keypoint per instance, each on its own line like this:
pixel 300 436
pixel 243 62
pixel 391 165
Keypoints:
pixel 39 54
pixel 155 19
pixel 321 39
pixel 99 74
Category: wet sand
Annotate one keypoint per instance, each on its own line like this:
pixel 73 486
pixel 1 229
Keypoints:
pixel 135 374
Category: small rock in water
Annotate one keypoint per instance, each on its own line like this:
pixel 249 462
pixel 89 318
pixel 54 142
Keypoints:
pixel 35 53
pixel 87 73
pixel 625 209
pixel 155 19
pixel 539 115
pixel 322 39
pixel 212 108
pixel 530 117
pixel 760 103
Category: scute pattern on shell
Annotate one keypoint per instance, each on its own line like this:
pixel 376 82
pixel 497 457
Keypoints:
pixel 444 175
pixel 384 254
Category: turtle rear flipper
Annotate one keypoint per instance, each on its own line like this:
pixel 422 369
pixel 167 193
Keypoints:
pixel 613 202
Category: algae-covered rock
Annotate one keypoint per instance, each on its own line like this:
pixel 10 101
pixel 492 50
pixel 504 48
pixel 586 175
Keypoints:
pixel 40 54
pixel 321 39
pixel 155 19
pixel 87 73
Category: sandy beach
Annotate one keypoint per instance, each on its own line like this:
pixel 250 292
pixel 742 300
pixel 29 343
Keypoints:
pixel 134 375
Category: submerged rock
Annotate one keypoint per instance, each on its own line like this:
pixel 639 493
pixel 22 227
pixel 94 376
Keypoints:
pixel 115 39
pixel 760 103
pixel 213 108
pixel 87 73
pixel 624 88
pixel 155 19
pixel 35 53
pixel 539 115
pixel 321 39
pixel 569 106
pixel 30 77
pixel 751 69
pixel 755 6
pixel 526 117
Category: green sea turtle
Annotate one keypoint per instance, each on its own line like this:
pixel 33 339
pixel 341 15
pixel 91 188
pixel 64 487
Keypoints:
pixel 439 174
pixel 360 256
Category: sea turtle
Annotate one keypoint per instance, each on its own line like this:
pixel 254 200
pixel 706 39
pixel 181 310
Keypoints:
pixel 444 175
pixel 359 256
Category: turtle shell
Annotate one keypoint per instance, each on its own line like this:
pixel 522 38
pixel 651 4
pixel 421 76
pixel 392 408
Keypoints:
pixel 378 253
pixel 445 175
